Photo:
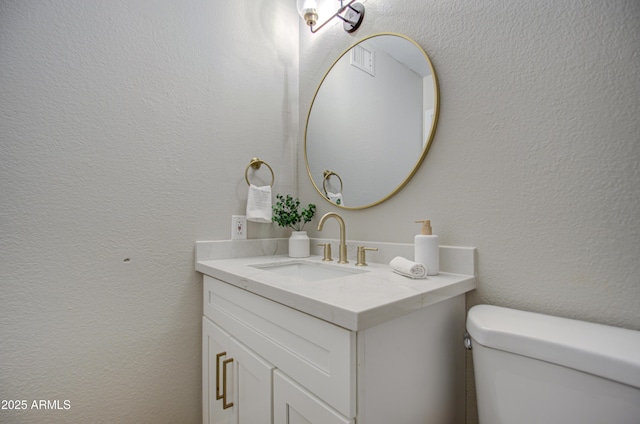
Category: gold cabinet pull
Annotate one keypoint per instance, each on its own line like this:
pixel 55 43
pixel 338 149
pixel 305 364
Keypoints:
pixel 218 393
pixel 225 405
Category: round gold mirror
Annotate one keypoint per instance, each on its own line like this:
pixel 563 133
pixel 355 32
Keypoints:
pixel 371 121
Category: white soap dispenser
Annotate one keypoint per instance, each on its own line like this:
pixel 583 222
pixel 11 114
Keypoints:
pixel 427 249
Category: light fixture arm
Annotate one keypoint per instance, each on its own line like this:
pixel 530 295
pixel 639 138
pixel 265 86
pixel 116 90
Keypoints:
pixel 345 19
pixel 352 19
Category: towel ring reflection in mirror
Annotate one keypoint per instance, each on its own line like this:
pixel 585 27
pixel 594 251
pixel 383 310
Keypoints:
pixel 327 175
pixel 256 163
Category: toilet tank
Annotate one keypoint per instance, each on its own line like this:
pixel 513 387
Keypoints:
pixel 534 368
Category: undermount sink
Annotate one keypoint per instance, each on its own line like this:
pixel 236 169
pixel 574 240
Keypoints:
pixel 308 271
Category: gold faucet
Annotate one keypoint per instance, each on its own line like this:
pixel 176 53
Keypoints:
pixel 343 234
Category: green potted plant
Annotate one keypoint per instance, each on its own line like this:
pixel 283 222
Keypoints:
pixel 287 214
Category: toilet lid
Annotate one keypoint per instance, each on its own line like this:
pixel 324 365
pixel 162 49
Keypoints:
pixel 606 351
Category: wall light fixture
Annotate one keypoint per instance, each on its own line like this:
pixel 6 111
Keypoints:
pixel 351 12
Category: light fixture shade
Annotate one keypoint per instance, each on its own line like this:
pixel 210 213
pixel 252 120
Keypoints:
pixel 308 10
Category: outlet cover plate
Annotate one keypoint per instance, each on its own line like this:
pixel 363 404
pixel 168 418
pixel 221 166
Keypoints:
pixel 238 227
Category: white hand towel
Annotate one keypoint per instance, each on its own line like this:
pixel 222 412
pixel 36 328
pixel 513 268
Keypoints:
pixel 408 268
pixel 335 198
pixel 259 204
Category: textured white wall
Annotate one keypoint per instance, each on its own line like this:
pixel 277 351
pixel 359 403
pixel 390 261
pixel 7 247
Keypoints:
pixel 125 130
pixel 536 157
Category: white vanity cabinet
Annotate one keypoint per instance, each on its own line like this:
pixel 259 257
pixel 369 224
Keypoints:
pixel 286 366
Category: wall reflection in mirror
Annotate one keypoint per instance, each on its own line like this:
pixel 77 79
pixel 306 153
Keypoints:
pixel 371 121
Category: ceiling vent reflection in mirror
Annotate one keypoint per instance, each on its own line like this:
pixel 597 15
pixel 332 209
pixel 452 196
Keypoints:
pixel 364 59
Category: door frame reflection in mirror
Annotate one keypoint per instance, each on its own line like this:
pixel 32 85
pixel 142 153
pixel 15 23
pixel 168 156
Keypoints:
pixel 321 184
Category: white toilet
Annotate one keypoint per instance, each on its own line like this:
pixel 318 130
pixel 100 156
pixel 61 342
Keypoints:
pixel 533 368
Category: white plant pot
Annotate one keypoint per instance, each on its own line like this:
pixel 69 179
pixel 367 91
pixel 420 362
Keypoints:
pixel 299 245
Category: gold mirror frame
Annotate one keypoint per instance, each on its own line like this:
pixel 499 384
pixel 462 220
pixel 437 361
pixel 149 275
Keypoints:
pixel 436 108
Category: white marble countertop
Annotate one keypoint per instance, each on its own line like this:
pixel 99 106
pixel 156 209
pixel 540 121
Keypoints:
pixel 354 301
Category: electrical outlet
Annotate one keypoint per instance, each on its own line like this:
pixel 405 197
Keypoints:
pixel 238 227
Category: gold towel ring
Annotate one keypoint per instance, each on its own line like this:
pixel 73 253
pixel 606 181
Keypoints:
pixel 255 164
pixel 327 175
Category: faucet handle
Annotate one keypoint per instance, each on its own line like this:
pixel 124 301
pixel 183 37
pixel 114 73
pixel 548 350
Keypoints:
pixel 327 251
pixel 362 255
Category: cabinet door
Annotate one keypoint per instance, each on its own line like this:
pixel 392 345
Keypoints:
pixel 293 404
pixel 252 386
pixel 215 350
pixel 236 383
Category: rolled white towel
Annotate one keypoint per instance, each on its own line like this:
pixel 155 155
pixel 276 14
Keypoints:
pixel 408 268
